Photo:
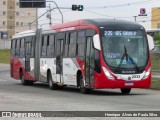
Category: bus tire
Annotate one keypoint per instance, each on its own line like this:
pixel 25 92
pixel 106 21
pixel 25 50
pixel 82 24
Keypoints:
pixel 52 85
pixel 23 81
pixel 29 82
pixel 125 90
pixel 83 89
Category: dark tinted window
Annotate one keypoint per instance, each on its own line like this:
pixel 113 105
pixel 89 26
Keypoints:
pixel 33 47
pixel 72 50
pixel 44 46
pixel 72 44
pixel 18 43
pixel 13 47
pixel 81 37
pixel 17 47
pixel 73 38
pixel 50 46
pixel 66 45
pixel 13 44
pixel 51 40
pixel 81 48
pixel 22 42
pixel 44 40
pixel 22 47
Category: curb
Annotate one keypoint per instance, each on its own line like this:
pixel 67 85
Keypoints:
pixel 3 64
pixel 155 88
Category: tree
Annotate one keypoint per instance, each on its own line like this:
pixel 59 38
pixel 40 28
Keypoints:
pixel 156 37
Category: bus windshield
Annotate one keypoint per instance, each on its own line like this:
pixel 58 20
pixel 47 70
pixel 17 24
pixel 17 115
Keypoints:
pixel 124 49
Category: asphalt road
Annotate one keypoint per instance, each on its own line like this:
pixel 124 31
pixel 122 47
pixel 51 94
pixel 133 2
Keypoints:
pixel 15 97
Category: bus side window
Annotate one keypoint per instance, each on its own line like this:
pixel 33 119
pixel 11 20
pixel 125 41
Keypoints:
pixel 44 46
pixel 81 43
pixel 50 46
pixel 33 47
pixel 13 47
pixel 28 46
pixel 17 47
pixel 66 45
pixel 72 44
pixel 22 47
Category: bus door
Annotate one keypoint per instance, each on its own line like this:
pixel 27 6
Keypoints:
pixel 89 58
pixel 59 58
pixel 27 56
pixel 89 61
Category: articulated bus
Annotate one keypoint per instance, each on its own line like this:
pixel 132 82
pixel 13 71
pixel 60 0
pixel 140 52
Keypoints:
pixel 89 54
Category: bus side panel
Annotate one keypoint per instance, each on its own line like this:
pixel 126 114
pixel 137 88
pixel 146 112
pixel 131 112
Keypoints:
pixel 70 68
pixel 29 75
pixel 81 63
pixel 43 69
pixel 47 64
pixel 16 64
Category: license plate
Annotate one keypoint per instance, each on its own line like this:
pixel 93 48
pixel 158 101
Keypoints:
pixel 128 83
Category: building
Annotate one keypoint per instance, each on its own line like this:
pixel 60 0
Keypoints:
pixel 14 19
pixel 155 18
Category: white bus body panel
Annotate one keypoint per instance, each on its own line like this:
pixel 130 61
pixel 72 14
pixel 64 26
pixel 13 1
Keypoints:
pixel 70 69
pixel 45 64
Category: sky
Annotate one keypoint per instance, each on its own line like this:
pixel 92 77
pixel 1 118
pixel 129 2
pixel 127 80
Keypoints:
pixel 118 9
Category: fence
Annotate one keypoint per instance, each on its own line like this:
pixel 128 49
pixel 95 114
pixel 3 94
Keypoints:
pixel 5 44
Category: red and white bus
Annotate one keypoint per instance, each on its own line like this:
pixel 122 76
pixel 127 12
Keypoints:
pixel 89 53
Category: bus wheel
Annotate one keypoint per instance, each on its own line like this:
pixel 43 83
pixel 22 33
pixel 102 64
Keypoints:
pixel 52 85
pixel 23 81
pixel 83 89
pixel 125 90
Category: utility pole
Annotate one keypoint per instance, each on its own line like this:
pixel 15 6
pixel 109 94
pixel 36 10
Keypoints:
pixel 57 8
pixel 29 25
pixel 49 16
pixel 135 18
pixel 36 18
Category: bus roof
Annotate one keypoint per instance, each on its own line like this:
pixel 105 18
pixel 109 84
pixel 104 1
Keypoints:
pixel 24 33
pixel 47 30
pixel 98 23
pixel 108 23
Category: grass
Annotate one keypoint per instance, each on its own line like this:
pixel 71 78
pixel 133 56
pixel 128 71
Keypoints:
pixel 4 56
pixel 155 83
pixel 155 58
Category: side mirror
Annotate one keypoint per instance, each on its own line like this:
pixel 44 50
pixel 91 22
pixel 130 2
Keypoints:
pixel 150 42
pixel 96 42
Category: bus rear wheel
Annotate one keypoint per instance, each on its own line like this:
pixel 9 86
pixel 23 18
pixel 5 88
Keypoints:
pixel 23 81
pixel 83 89
pixel 52 85
pixel 125 90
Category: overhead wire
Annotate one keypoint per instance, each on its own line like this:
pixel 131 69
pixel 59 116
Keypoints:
pixel 121 5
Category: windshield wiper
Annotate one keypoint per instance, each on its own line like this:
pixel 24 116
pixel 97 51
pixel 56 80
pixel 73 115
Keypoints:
pixel 128 57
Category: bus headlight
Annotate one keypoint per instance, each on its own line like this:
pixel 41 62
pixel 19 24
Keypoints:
pixel 147 73
pixel 107 73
